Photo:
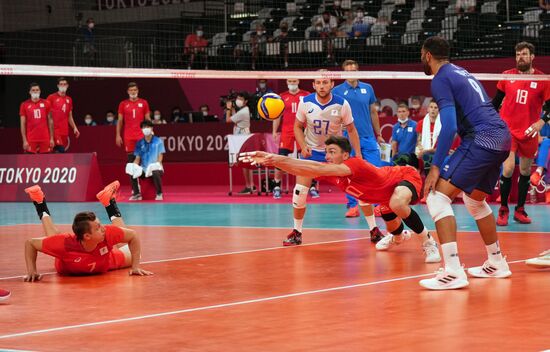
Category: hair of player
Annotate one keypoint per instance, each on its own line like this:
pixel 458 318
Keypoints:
pixel 438 47
pixel 33 84
pixel 349 63
pixel 403 105
pixel 146 123
pixel 132 85
pixel 522 45
pixel 433 101
pixel 81 224
pixel 61 79
pixel 340 141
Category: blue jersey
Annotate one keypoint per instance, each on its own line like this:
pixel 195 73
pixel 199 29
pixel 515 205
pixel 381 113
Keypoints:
pixel 360 99
pixel 405 137
pixel 476 117
pixel 149 152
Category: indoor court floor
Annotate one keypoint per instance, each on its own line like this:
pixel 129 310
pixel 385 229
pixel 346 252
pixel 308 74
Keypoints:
pixel 223 282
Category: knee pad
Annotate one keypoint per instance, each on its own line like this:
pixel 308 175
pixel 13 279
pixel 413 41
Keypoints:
pixel 299 196
pixel 439 205
pixel 363 204
pixel 479 209
pixel 389 216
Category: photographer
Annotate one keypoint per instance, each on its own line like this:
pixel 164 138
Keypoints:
pixel 237 112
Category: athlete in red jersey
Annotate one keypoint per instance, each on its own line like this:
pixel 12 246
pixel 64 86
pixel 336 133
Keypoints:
pixel 93 248
pixel 131 112
pixel 521 110
pixel 62 114
pixel 292 98
pixel 393 187
pixel 36 123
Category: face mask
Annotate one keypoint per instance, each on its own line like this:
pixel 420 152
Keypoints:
pixel 147 131
pixel 133 96
pixel 205 113
pixel 110 118
pixel 360 15
pixel 262 85
pixel 292 87
pixel 318 28
pixel 415 106
pixel 35 96
pixel 62 89
pixel 88 121
pixel 200 33
pixel 403 120
pixel 156 117
pixel 239 103
pixel 91 25
pixel 259 32
pixel 337 3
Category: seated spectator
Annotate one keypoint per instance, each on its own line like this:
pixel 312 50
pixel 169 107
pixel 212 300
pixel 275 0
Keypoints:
pixel 110 119
pixel 417 111
pixel 385 112
pixel 329 26
pixel 257 42
pixel 428 130
pixel 346 27
pixel 195 47
pixel 207 117
pixel 89 120
pixel 404 135
pixel 149 153
pixel 361 25
pixel 157 118
pixel 178 117
pixel 281 36
pixel 465 6
pixel 336 10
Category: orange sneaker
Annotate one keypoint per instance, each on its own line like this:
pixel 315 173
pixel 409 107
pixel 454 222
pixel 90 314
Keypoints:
pixel 353 212
pixel 535 178
pixel 108 193
pixel 36 194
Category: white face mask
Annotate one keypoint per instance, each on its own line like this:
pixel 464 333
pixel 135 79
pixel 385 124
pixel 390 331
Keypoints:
pixel 200 33
pixel 262 85
pixel 110 118
pixel 259 32
pixel 62 89
pixel 205 113
pixel 156 117
pixel 415 106
pixel 133 96
pixel 91 25
pixel 360 15
pixel 337 3
pixel 292 87
pixel 88 121
pixel 319 28
pixel 35 96
pixel 403 120
pixel 147 131
pixel 239 103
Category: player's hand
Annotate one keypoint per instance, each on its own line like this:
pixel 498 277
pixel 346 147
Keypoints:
pixel 76 132
pixel 534 129
pixel 32 277
pixel 431 180
pixel 26 145
pixel 359 156
pixel 380 140
pixel 257 158
pixel 139 272
pixel 276 136
pixel 119 141
pixel 306 151
pixel 52 143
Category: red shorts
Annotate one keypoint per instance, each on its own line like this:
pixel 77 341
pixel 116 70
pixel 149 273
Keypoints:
pixel 116 259
pixel 412 177
pixel 61 140
pixel 39 147
pixel 130 145
pixel 287 142
pixel 526 148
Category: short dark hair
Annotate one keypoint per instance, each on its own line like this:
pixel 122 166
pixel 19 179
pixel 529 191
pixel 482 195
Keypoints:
pixel 438 47
pixel 522 45
pixel 81 224
pixel 403 105
pixel 146 123
pixel 244 95
pixel 33 84
pixel 132 84
pixel 61 79
pixel 340 141
pixel 349 63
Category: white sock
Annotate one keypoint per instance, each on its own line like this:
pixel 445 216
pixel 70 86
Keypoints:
pixel 45 214
pixel 450 256
pixel 298 223
pixel 371 220
pixel 425 235
pixel 493 252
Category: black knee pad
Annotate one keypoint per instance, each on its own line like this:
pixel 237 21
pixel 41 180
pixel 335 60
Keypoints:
pixel 389 217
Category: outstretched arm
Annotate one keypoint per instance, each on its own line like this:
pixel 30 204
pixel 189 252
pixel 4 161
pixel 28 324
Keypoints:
pixel 134 244
pixel 32 246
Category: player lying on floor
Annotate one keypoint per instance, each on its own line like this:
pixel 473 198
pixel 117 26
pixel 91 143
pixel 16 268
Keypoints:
pixel 393 187
pixel 93 248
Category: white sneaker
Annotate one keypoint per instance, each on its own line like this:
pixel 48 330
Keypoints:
pixel 159 197
pixel 488 269
pixel 388 241
pixel 431 251
pixel 542 261
pixel 135 197
pixel 446 279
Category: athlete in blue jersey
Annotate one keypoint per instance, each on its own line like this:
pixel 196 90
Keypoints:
pixel 473 168
pixel 361 98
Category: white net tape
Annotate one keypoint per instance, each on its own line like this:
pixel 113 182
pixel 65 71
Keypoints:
pixel 107 72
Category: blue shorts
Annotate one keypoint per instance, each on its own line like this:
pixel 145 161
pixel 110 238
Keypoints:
pixel 316 156
pixel 473 167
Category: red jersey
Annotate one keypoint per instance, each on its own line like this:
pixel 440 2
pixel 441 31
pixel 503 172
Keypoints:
pixel 72 259
pixel 420 127
pixel 523 102
pixel 61 109
pixel 133 113
pixel 291 107
pixel 36 119
pixel 372 184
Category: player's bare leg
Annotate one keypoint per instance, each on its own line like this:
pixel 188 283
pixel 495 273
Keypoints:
pixel 299 200
pixel 368 211
pixel 505 187
pixel 39 200
pixel 523 187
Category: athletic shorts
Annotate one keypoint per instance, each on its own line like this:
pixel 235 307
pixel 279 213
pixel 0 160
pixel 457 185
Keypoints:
pixel 411 180
pixel 316 156
pixel 61 140
pixel 286 145
pixel 116 259
pixel 39 147
pixel 473 167
pixel 526 148
pixel 130 145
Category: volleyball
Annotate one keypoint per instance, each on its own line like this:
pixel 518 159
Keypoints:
pixel 270 106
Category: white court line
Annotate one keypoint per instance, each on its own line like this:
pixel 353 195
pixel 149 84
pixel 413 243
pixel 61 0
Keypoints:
pixel 223 305
pixel 221 254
